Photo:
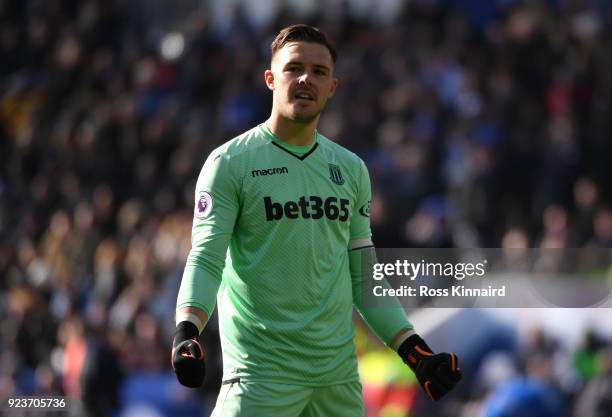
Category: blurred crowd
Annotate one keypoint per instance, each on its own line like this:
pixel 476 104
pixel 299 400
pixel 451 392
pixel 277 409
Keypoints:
pixel 483 124
pixel 529 374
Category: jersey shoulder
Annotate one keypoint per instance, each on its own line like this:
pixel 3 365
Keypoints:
pixel 246 142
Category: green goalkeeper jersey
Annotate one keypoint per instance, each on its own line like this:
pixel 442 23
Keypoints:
pixel 271 232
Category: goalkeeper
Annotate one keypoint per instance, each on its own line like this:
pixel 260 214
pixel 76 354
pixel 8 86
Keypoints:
pixel 281 222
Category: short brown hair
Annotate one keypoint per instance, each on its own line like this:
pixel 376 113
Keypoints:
pixel 301 33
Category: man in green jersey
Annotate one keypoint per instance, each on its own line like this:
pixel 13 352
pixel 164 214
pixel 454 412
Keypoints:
pixel 281 223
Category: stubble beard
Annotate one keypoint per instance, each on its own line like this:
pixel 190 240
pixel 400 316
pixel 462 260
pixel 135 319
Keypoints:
pixel 303 117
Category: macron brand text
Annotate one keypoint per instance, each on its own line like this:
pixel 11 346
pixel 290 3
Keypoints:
pixel 269 171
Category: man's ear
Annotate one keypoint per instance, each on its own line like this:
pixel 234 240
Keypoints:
pixel 332 90
pixel 269 79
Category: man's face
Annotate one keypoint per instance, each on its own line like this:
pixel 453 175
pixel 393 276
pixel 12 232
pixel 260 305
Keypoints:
pixel 301 80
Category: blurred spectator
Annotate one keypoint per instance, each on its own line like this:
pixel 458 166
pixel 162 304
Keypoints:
pixel 524 398
pixel 101 373
pixel 586 359
pixel 596 399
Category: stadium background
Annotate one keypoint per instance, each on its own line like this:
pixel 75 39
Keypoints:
pixel 483 124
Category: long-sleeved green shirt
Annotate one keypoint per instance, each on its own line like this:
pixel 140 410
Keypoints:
pixel 274 226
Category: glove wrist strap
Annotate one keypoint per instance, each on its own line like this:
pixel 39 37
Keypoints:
pixel 413 350
pixel 191 317
pixel 185 330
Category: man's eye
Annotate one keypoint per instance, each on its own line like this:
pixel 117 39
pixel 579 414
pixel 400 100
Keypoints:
pixel 320 72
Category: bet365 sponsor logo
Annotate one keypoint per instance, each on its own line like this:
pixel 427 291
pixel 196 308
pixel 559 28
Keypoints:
pixel 308 207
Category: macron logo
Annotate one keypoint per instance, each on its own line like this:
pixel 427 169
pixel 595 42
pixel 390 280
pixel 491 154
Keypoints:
pixel 269 171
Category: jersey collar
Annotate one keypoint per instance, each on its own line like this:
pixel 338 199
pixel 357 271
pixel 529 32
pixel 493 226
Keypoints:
pixel 300 152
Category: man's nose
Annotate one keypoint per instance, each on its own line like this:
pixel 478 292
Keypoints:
pixel 305 78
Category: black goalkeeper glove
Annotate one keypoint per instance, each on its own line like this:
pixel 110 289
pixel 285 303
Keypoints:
pixel 437 373
pixel 188 355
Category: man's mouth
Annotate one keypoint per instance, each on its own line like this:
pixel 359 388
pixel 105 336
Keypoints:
pixel 304 95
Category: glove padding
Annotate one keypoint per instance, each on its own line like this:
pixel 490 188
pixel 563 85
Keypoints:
pixel 188 356
pixel 437 373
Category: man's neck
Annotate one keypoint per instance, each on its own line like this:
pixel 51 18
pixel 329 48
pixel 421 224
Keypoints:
pixel 293 133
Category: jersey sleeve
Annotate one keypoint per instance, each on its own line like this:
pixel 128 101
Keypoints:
pixel 385 322
pixel 215 211
pixel 360 220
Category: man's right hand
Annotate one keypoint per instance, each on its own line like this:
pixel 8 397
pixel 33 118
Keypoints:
pixel 188 355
